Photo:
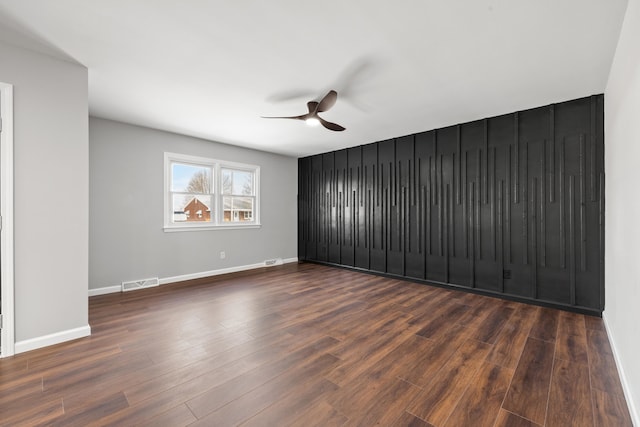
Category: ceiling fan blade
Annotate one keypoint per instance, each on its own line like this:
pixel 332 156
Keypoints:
pixel 328 101
pixel 331 126
pixel 302 117
pixel 312 106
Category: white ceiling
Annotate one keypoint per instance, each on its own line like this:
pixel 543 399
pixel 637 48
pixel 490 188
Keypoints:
pixel 210 69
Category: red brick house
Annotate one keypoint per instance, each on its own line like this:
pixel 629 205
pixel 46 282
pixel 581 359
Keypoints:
pixel 196 210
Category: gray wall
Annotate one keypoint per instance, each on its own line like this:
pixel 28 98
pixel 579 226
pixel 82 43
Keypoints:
pixel 51 191
pixel 622 239
pixel 126 239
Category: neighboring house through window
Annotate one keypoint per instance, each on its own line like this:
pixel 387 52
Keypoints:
pixel 202 193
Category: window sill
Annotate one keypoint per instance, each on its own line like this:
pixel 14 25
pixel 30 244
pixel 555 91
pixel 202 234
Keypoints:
pixel 177 229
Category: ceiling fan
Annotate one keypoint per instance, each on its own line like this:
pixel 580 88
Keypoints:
pixel 312 118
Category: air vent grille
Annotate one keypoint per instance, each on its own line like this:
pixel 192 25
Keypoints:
pixel 140 284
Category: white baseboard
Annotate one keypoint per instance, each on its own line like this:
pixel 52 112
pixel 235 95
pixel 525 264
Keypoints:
pixel 191 276
pixel 210 273
pixel 633 411
pixel 103 291
pixel 51 339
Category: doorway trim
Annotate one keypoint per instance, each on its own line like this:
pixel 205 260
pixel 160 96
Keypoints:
pixel 7 347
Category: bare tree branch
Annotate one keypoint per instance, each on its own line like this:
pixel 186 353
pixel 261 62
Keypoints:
pixel 199 183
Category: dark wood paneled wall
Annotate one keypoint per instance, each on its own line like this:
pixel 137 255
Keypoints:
pixel 511 205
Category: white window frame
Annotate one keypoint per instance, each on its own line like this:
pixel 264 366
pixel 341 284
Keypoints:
pixel 217 216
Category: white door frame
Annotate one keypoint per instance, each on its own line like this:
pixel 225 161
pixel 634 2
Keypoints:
pixel 6 211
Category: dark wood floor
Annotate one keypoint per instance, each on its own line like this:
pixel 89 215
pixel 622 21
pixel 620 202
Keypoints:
pixel 316 346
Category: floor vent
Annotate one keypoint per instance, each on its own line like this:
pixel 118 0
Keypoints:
pixel 139 284
pixel 275 261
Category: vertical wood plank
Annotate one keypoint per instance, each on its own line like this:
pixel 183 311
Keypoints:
pixel 431 180
pixel 582 214
pixel 525 216
pixel 478 227
pixel 369 212
pixel 355 220
pixel 447 250
pixel 429 233
pixel 508 208
pixel 376 202
pixel 421 226
pixel 376 182
pixel 361 174
pixel 326 216
pixel 465 225
pixel 492 203
pixel 499 236
pixel 395 187
pixel 572 240
pixel 516 143
pixel 435 160
pixel 440 212
pixel 471 245
pixel 359 193
pixel 552 153
pixel 412 179
pixel 442 207
pixel 563 234
pixel 399 194
pixel 405 220
pixel 459 157
pixel 452 226
pixel 479 173
pixel 542 207
pixel 339 219
pixel 592 149
pixel 534 240
pixel 486 161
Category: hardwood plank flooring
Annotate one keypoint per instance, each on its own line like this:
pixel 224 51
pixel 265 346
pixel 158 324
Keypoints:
pixel 436 402
pixel 529 391
pixel 310 345
pixel 481 402
pixel 569 398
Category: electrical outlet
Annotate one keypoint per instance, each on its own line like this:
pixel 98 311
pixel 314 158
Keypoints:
pixel 223 255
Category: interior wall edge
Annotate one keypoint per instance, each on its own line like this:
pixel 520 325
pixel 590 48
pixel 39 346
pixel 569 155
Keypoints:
pixel 626 387
pixel 52 339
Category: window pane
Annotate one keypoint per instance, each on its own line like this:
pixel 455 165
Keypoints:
pixel 237 182
pixel 237 209
pixel 190 178
pixel 192 208
pixel 227 177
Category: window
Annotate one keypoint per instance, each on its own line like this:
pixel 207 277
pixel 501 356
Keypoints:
pixel 203 193
pixel 237 195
